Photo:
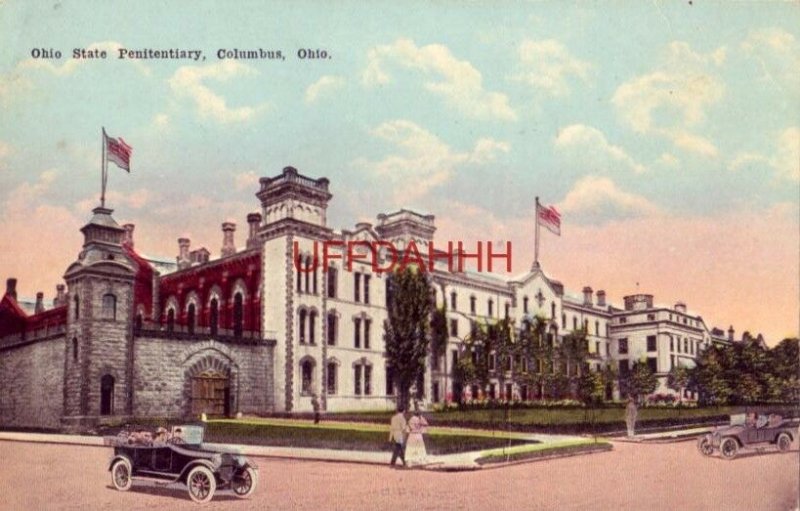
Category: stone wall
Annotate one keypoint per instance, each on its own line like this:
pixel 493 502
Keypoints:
pixel 32 384
pixel 164 367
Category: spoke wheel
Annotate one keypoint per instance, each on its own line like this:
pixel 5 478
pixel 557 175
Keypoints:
pixel 729 447
pixel 705 446
pixel 201 484
pixel 784 442
pixel 244 482
pixel 121 475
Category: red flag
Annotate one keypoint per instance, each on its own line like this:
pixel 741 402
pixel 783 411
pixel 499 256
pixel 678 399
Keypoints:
pixel 549 218
pixel 118 152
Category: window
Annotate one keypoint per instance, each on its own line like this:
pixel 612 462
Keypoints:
pixel 238 315
pixel 671 361
pixel 332 282
pixel 357 287
pixel 651 343
pixel 686 345
pixel 597 347
pixel 75 348
pixel 652 364
pixel 525 305
pixel 453 301
pixel 472 305
pixel 107 395
pixel 651 317
pixel 436 397
pixel 357 332
pixel 307 371
pixel 597 328
pixel 492 391
pixel 314 275
pixel 453 361
pixel 490 307
pixel 331 329
pixel 454 327
pixel 366 288
pixel 509 393
pixel 213 316
pixel 553 311
pixel 77 303
pixel 297 266
pixel 623 320
pixel 367 324
pixel 190 318
pixel 563 320
pixel 109 306
pixel 623 346
pixel 357 379
pixel 307 272
pixel 312 327
pixel 586 325
pixel 389 381
pixel 508 310
pixel 492 361
pixel 367 380
pixel 624 368
pixel 301 327
pixel 671 344
pixel 332 377
pixel 679 345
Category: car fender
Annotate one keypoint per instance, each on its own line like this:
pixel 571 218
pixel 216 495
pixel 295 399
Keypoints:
pixel 118 457
pixel 190 466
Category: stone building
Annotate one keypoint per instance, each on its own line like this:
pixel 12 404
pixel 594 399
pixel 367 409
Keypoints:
pixel 262 328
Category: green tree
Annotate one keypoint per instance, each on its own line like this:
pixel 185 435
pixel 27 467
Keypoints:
pixel 709 377
pixel 407 328
pixel 677 380
pixel 592 387
pixel 641 380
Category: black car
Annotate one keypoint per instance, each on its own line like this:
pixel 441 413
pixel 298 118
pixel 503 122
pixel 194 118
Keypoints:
pixel 748 431
pixel 179 456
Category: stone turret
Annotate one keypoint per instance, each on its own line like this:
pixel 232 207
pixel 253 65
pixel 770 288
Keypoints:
pixel 228 247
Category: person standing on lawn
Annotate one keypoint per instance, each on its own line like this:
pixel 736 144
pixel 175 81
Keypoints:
pixel 398 427
pixel 630 416
pixel 416 454
pixel 315 406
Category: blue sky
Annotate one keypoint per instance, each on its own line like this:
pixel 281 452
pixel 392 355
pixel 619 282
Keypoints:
pixel 664 130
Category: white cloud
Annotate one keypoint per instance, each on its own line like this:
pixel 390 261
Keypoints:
pixel 423 161
pixel 457 81
pixel 188 81
pixel 28 194
pixel 592 148
pixel 778 54
pixel 785 161
pixel 246 180
pixel 548 65
pixel 673 98
pixel 136 199
pixel 594 199
pixel 323 86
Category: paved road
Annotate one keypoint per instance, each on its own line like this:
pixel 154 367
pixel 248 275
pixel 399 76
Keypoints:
pixel 633 476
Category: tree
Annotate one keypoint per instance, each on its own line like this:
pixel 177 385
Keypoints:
pixel 641 380
pixel 709 376
pixel 407 328
pixel 592 387
pixel 677 380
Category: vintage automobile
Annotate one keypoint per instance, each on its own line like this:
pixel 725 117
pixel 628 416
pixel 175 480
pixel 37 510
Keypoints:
pixel 748 431
pixel 179 456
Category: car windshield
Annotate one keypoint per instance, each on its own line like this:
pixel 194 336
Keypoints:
pixel 192 435
pixel 737 419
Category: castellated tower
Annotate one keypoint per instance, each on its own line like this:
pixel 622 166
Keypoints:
pixel 294 210
pixel 99 347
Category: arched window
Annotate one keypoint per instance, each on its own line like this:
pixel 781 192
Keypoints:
pixel 301 326
pixel 491 307
pixel 171 320
pixel 472 305
pixel 563 320
pixel 553 311
pixel 453 300
pixel 333 377
pixel 332 329
pixel 107 395
pixel 190 318
pixel 213 316
pixel 312 327
pixel 307 373
pixel 109 306
pixel 75 348
pixel 238 315
pixel 525 305
pixel 77 303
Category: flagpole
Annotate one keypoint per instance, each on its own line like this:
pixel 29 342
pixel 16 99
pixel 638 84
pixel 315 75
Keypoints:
pixel 536 246
pixel 103 165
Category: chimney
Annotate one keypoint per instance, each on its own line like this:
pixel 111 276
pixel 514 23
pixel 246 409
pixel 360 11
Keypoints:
pixel 731 332
pixel 11 288
pixel 127 239
pixel 254 221
pixel 60 298
pixel 601 298
pixel 39 307
pixel 228 248
pixel 587 296
pixel 183 253
pixel 680 307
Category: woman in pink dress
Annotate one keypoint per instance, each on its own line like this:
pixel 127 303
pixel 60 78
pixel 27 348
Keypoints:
pixel 416 454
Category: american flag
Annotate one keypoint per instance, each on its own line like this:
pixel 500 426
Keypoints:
pixel 118 152
pixel 548 217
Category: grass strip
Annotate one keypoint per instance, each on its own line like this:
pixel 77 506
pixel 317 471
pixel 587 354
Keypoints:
pixel 523 452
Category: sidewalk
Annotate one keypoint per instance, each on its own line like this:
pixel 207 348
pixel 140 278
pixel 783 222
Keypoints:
pixel 665 436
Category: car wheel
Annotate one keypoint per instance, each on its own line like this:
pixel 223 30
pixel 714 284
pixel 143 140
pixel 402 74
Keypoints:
pixel 244 482
pixel 729 447
pixel 784 442
pixel 121 475
pixel 201 484
pixel 705 446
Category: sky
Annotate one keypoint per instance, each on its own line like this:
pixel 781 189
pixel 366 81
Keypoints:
pixel 667 134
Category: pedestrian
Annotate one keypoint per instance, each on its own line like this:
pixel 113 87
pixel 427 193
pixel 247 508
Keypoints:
pixel 416 454
pixel 315 406
pixel 398 428
pixel 630 416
